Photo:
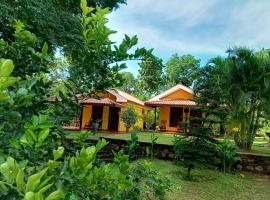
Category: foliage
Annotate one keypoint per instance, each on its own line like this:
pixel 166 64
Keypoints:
pixel 153 185
pixel 210 90
pixel 227 153
pixel 181 69
pixel 150 77
pixel 154 139
pixel 6 68
pixel 192 151
pixel 247 78
pixel 101 52
pixel 77 177
pixel 149 119
pixel 129 84
pixel 129 117
pixel 132 145
pixel 53 21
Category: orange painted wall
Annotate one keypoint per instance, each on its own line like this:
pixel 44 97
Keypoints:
pixel 180 94
pixel 165 116
pixel 87 114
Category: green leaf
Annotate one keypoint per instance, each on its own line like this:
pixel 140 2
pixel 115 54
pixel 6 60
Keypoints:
pixel 101 143
pixel 43 135
pixel 6 68
pixel 22 92
pixel 34 180
pixel 9 169
pixel 29 196
pixel 35 120
pixel 45 48
pixel 58 194
pixel 45 188
pixel 20 180
pixel 58 153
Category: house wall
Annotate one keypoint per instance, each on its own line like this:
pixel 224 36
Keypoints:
pixel 87 114
pixel 165 116
pixel 180 94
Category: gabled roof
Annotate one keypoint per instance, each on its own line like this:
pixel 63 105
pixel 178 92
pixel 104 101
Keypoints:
pixel 179 86
pixel 123 97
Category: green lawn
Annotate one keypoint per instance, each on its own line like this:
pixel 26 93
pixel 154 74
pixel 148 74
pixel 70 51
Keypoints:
pixel 165 139
pixel 212 184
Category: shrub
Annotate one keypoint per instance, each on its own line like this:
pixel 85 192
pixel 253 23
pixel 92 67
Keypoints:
pixel 129 117
pixel 154 139
pixel 227 154
pixel 132 145
pixel 149 119
pixel 192 151
pixel 150 183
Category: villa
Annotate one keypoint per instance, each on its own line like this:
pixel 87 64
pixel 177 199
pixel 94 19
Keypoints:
pixel 176 105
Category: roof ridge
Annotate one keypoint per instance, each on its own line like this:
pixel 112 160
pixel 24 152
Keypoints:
pixel 171 90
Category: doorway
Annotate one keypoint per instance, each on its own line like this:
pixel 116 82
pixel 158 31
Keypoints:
pixel 113 118
pixel 97 114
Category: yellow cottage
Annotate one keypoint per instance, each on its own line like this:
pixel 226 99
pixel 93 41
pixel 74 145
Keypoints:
pixel 176 105
pixel 106 110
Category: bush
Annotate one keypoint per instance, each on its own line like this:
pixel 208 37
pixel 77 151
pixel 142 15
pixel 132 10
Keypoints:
pixel 191 151
pixel 150 182
pixel 129 117
pixel 132 145
pixel 149 119
pixel 227 152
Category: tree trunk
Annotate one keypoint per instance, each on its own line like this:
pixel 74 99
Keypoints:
pixel 190 167
pixel 222 128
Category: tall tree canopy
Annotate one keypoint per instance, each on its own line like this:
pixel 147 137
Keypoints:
pixel 236 89
pixel 150 77
pixel 248 78
pixel 210 90
pixel 129 83
pixel 53 21
pixel 182 69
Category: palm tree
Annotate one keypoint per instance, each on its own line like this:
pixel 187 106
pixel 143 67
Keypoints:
pixel 247 76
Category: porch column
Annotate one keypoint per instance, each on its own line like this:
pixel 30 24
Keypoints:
pixel 155 122
pixel 81 117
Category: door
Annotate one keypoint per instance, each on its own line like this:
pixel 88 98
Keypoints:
pixel 113 118
pixel 97 114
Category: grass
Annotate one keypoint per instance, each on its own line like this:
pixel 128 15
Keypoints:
pixel 166 139
pixel 212 184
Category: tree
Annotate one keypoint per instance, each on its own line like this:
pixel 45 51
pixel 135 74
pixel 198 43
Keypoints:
pixel 96 65
pixel 150 79
pixel 209 88
pixel 129 117
pixel 181 69
pixel 53 21
pixel 129 83
pixel 247 78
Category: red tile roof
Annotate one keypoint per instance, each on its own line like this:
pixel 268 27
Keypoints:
pixel 176 102
pixel 105 101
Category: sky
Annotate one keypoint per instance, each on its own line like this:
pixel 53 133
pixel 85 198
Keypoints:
pixel 201 28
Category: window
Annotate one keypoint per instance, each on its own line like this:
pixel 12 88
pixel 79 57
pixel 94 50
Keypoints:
pixel 176 116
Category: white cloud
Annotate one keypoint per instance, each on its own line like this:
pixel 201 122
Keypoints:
pixel 194 26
